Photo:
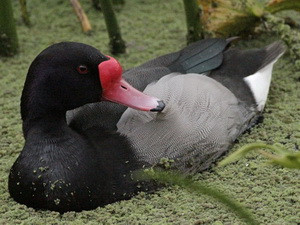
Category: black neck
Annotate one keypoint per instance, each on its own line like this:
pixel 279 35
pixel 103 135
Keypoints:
pixel 40 108
pixel 46 122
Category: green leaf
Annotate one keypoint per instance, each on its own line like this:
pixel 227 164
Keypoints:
pixel 283 157
pixel 175 178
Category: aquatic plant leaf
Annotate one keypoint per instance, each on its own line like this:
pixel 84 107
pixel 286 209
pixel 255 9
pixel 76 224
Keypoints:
pixel 274 6
pixel 283 157
pixel 200 188
pixel 237 17
pixel 288 160
pixel 227 17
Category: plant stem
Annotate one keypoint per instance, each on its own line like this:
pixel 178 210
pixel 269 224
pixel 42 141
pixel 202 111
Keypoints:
pixel 96 3
pixel 85 23
pixel 192 13
pixel 118 2
pixel 201 188
pixel 244 150
pixel 117 45
pixel 24 12
pixel 8 34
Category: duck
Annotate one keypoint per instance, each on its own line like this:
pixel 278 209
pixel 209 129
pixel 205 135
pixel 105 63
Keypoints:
pixel 81 150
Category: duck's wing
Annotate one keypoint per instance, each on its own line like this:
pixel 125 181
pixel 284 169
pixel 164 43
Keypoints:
pixel 199 57
pixel 201 119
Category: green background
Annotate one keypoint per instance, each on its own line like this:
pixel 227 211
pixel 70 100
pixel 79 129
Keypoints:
pixel 152 28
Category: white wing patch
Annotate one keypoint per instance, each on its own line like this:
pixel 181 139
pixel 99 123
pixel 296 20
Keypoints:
pixel 259 84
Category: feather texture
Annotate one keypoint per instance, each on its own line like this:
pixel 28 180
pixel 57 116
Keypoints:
pixel 201 119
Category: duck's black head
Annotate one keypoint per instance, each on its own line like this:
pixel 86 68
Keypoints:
pixel 67 75
pixel 64 76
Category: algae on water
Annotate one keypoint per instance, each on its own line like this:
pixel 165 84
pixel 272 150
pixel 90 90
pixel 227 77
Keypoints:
pixel 153 28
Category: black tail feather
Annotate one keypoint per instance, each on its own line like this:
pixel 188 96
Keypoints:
pixel 273 51
pixel 238 64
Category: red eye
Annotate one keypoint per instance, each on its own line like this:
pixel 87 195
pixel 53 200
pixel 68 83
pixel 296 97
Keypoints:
pixel 82 69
